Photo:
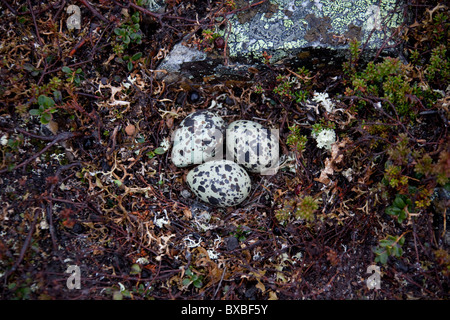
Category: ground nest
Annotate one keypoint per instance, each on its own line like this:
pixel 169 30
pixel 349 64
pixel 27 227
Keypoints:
pixel 86 178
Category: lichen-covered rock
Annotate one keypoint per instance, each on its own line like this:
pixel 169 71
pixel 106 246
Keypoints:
pixel 198 139
pixel 253 146
pixel 221 183
pixel 283 27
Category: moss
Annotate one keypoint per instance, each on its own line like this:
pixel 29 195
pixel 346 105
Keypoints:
pixel 302 208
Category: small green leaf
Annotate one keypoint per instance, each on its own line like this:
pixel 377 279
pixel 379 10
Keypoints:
pixel 41 100
pixel 119 31
pixel 45 102
pixel 384 242
pixel 66 70
pixel 57 95
pixel 395 251
pixel 137 56
pixel 126 293
pixel 159 150
pixel 198 283
pixel 393 211
pixel 49 103
pixel 29 67
pixel 126 39
pixel 402 216
pixel 50 58
pixel 34 112
pixel 383 258
pixel 186 282
pixel 399 202
pixel 45 118
pixel 135 269
pixel 130 65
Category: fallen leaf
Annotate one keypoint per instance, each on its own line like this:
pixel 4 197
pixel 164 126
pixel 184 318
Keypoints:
pixel 53 126
pixel 272 296
pixel 330 163
pixel 187 213
pixel 69 223
pixel 415 24
pixel 328 170
pixel 260 286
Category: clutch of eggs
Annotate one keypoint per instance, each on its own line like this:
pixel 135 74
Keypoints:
pixel 199 139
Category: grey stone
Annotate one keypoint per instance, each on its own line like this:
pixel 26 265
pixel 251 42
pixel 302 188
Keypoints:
pixel 232 243
pixel 179 55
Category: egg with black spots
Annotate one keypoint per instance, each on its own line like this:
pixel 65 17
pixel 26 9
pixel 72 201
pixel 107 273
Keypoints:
pixel 198 138
pixel 220 183
pixel 253 146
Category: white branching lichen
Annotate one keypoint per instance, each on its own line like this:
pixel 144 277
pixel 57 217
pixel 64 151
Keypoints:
pixel 323 99
pixel 165 144
pixel 325 138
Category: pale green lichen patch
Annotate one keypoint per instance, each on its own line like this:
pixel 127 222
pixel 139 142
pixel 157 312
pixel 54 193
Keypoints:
pixel 283 26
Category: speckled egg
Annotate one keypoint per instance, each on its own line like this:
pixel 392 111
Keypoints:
pixel 253 146
pixel 198 138
pixel 221 183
